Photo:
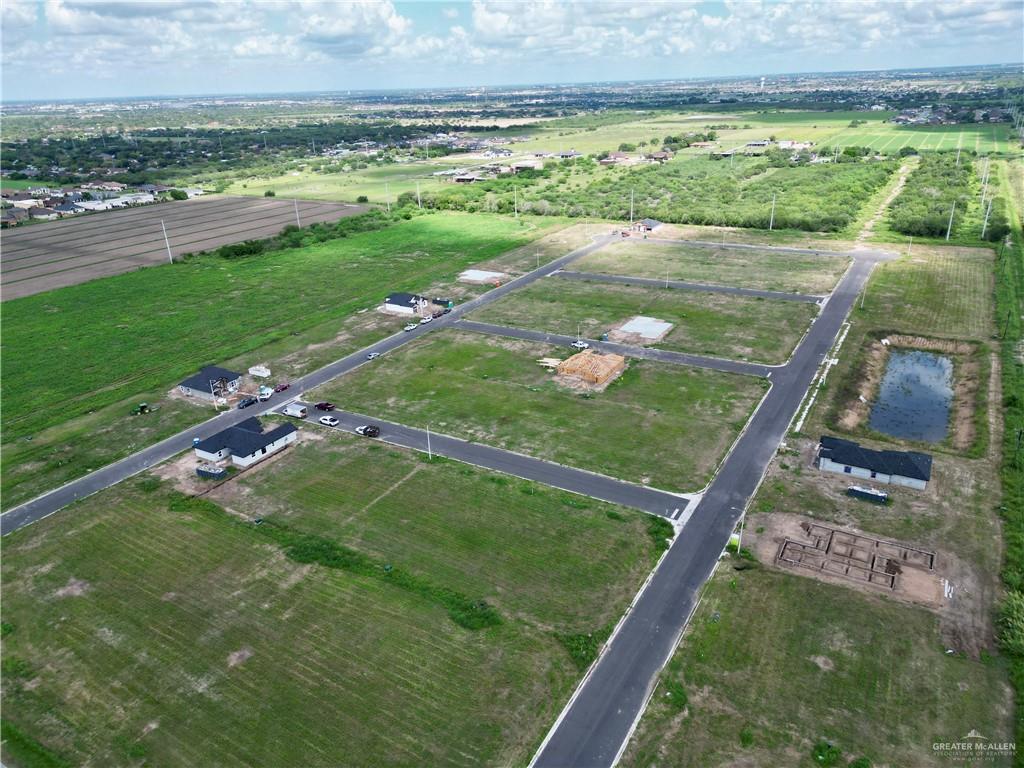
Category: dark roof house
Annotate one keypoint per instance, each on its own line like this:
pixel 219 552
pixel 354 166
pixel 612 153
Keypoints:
pixel 402 299
pixel 917 466
pixel 209 378
pixel 245 438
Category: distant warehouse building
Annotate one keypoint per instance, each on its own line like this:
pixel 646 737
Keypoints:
pixel 906 468
pixel 246 443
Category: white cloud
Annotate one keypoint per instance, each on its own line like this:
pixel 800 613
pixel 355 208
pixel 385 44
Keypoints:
pixel 562 38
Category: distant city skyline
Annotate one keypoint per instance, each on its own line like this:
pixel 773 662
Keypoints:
pixel 61 49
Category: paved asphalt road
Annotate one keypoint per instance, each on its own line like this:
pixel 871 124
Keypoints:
pixel 595 726
pixel 579 481
pixel 626 350
pixel 653 282
pixel 47 504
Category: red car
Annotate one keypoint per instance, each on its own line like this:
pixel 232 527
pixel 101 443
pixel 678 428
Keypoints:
pixel 325 406
pixel 281 387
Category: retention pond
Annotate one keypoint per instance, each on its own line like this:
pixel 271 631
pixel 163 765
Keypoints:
pixel 914 397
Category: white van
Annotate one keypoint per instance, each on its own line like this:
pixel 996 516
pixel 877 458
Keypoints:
pixel 295 409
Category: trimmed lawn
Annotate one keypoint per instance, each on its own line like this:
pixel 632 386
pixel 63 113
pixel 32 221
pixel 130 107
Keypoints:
pixel 720 325
pixel 764 270
pixel 491 390
pixel 141 627
pixel 774 663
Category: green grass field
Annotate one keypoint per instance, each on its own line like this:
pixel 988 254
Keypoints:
pixel 720 325
pixel 89 345
pixel 139 629
pixel 774 663
pixel 934 292
pixel 439 517
pixel 982 138
pixel 492 391
pixel 172 334
pixel 766 270
pixel 379 183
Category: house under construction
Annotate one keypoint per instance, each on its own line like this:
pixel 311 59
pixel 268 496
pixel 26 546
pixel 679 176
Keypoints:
pixel 592 367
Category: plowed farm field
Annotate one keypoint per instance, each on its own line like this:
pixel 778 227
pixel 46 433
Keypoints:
pixel 56 254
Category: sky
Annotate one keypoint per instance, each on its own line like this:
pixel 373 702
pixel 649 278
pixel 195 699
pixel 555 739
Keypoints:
pixel 59 49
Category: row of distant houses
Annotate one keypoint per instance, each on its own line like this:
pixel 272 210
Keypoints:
pixel 48 203
pixel 622 158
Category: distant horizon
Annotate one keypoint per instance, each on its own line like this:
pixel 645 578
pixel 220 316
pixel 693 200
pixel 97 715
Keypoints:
pixel 500 86
pixel 55 51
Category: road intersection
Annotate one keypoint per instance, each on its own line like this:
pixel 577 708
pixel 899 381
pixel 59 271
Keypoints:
pixel 595 726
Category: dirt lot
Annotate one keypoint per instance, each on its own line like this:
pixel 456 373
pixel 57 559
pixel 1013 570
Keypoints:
pixel 76 250
pixel 951 518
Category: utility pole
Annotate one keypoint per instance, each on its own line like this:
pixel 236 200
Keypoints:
pixel 958 157
pixel 984 224
pixel 910 245
pixel 430 455
pixel 419 202
pixel 631 209
pixel 949 229
pixel 387 196
pixel 167 242
pixel 771 221
pixel 515 200
pixel 298 221
pixel 1006 324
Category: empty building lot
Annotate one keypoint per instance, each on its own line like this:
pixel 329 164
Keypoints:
pixel 53 255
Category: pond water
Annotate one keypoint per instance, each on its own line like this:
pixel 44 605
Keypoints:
pixel 914 397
